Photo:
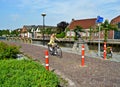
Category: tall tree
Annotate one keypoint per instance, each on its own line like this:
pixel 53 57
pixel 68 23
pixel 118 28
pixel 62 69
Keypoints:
pixel 106 26
pixel 91 31
pixel 61 26
pixel 77 31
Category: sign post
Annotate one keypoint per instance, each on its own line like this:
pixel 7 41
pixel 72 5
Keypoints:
pixel 99 21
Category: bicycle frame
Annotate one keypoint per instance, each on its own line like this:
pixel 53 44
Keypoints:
pixel 55 51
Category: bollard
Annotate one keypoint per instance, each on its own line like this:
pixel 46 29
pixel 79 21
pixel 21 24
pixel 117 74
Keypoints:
pixel 111 49
pixel 104 51
pixel 46 60
pixel 82 53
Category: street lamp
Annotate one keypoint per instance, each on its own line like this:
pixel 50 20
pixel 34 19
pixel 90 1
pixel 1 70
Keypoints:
pixel 43 14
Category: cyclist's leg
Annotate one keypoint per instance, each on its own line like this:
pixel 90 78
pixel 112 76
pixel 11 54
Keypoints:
pixel 55 48
pixel 50 49
pixel 59 52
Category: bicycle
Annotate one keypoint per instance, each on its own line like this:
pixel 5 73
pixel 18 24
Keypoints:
pixel 55 51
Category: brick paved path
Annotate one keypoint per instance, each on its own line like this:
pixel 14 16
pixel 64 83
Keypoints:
pixel 98 73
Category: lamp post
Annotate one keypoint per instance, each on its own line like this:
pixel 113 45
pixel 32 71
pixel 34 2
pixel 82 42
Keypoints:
pixel 43 14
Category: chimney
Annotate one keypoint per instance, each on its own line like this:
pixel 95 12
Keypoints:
pixel 73 19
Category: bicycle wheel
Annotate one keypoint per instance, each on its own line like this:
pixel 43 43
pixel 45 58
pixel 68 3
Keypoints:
pixel 59 52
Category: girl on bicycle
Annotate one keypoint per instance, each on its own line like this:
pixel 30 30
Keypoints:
pixel 52 41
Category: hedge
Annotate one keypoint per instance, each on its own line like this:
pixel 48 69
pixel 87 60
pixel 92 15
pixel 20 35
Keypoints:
pixel 25 73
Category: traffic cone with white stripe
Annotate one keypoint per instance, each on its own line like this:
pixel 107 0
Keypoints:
pixel 46 60
pixel 104 51
pixel 83 57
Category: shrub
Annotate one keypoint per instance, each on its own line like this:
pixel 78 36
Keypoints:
pixel 8 51
pixel 25 73
pixel 61 35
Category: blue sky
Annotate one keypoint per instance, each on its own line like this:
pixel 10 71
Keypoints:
pixel 16 13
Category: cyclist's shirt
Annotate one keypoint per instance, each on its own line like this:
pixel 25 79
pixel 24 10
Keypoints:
pixel 52 41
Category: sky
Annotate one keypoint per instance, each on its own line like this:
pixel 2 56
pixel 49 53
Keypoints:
pixel 17 13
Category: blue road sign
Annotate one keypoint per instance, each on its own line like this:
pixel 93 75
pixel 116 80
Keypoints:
pixel 99 19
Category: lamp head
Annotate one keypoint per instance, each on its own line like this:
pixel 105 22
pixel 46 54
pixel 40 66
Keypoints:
pixel 43 14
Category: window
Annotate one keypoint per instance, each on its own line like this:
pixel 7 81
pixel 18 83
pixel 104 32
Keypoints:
pixel 118 24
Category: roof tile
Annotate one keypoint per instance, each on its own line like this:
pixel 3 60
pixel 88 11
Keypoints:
pixel 84 23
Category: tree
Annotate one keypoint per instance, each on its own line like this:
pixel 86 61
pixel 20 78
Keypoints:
pixel 15 33
pixel 61 26
pixel 4 32
pixel 106 26
pixel 67 29
pixel 48 30
pixel 91 31
pixel 77 30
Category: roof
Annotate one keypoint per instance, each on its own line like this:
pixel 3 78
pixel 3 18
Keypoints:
pixel 84 23
pixel 115 20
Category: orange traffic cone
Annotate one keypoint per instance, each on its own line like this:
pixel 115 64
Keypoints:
pixel 83 58
pixel 46 60
pixel 104 51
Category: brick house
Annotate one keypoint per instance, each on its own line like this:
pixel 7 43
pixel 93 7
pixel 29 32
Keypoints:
pixel 115 34
pixel 86 24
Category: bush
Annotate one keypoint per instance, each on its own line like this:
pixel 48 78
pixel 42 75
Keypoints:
pixel 8 51
pixel 61 35
pixel 25 73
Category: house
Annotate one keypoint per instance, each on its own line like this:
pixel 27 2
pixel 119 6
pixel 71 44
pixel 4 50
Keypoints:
pixel 31 31
pixel 34 31
pixel 37 31
pixel 25 31
pixel 86 24
pixel 115 34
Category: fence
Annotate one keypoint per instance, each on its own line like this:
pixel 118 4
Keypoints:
pixel 94 46
pixel 91 45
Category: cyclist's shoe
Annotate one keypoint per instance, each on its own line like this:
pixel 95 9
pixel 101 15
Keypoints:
pixel 55 53
pixel 51 49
